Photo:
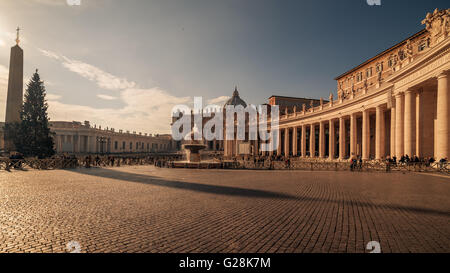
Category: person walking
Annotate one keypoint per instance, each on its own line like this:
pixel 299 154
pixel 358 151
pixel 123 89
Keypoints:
pixel 388 164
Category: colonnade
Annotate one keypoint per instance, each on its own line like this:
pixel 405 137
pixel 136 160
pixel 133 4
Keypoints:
pixel 416 122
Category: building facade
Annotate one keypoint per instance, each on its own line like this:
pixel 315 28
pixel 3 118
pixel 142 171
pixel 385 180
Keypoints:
pixel 292 105
pixel 78 138
pixel 397 103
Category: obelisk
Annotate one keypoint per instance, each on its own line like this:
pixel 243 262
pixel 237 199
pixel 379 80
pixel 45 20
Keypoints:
pixel 14 99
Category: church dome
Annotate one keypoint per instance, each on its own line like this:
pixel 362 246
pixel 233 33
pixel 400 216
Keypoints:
pixel 235 100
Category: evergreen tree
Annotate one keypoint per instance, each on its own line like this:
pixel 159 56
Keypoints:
pixel 33 136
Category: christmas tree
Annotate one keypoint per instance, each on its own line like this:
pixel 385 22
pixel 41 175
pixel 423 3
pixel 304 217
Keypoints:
pixel 32 134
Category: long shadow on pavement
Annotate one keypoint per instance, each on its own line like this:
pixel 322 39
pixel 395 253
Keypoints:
pixel 192 186
pixel 235 191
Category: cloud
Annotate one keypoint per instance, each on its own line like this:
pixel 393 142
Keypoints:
pixel 53 97
pixel 106 97
pixel 103 79
pixel 51 2
pixel 219 100
pixel 49 54
pixel 146 110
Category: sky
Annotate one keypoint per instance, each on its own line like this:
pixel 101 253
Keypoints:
pixel 126 64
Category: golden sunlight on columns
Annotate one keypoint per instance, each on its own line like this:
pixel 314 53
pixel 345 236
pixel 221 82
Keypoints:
pixel 286 142
pixel 419 119
pixel 442 126
pixel 294 142
pixel 399 141
pixel 322 139
pixel 380 134
pixel 280 142
pixel 332 140
pixel 392 131
pixel 366 135
pixel 312 141
pixel 353 135
pixel 409 123
pixel 303 142
pixel 342 138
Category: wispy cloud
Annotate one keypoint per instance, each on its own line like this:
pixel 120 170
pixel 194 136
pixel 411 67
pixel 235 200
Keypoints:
pixel 102 78
pixel 106 97
pixel 144 110
pixel 53 97
pixel 50 2
pixel 219 100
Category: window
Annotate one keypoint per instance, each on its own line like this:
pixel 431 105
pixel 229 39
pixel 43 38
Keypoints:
pixel 392 61
pixel 369 72
pixel 116 145
pixel 131 145
pixel 137 145
pixel 422 46
pixel 123 145
pixel 359 77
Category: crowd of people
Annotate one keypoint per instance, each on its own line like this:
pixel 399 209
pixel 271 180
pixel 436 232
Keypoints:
pixel 117 161
pixel 69 161
pixel 255 162
pixel 356 163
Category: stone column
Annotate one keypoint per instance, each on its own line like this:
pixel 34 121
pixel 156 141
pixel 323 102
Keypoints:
pixel 286 142
pixel 312 141
pixel 419 124
pixel 353 135
pixel 294 141
pixel 342 138
pixel 409 123
pixel 393 124
pixel 399 127
pixel 380 134
pixel 303 142
pixel 366 135
pixel 279 142
pixel 78 144
pixel 442 123
pixel 332 140
pixel 322 139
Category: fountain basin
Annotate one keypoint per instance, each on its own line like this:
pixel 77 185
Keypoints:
pixel 193 152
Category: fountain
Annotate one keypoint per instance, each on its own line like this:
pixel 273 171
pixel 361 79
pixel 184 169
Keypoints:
pixel 193 151
pixel 193 155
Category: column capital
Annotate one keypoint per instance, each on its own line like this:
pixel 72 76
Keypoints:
pixel 442 74
pixel 399 95
pixel 409 91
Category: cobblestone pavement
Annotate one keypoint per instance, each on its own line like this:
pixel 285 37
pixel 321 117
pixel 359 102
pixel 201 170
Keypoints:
pixel 143 209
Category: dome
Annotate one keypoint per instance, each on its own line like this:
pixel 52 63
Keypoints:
pixel 235 100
